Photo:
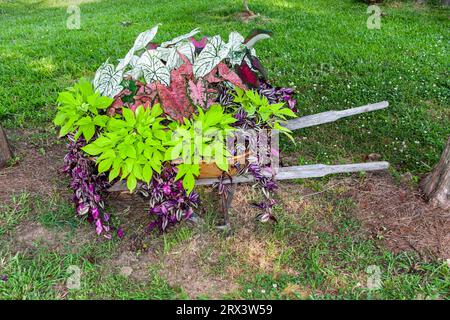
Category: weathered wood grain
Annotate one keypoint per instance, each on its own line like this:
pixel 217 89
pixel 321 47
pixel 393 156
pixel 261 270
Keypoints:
pixel 288 173
pixel 5 151
pixel 436 185
pixel 331 116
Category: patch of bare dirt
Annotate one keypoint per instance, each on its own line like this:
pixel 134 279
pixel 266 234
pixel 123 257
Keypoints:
pixel 182 267
pixel 35 172
pixel 246 16
pixel 187 270
pixel 398 215
pixel 30 234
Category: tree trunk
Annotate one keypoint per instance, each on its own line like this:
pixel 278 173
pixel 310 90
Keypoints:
pixel 436 185
pixel 5 151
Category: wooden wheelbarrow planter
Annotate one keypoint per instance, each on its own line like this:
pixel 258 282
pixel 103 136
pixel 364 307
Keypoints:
pixel 296 172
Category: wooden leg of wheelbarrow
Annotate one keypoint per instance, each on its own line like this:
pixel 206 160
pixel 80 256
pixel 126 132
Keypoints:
pixel 225 202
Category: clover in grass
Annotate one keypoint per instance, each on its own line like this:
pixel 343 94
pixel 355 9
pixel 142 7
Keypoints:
pixel 132 147
pixel 79 110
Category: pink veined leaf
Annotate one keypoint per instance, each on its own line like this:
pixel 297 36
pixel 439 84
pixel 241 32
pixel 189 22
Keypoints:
pixel 186 68
pixel 247 75
pixel 197 92
pixel 212 78
pixel 230 75
pixel 145 96
pixel 174 99
pixel 116 105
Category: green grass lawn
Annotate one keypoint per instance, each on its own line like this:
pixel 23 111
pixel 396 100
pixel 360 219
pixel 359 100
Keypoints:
pixel 321 47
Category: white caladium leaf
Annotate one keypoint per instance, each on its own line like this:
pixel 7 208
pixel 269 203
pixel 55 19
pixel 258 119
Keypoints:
pixel 153 69
pixel 235 40
pixel 133 61
pixel 237 48
pixel 107 80
pixel 163 53
pixel 174 60
pixel 214 52
pixel 180 38
pixel 135 72
pixel 144 38
pixel 123 63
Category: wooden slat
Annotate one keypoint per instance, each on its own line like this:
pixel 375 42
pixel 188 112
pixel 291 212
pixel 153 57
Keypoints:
pixel 295 172
pixel 310 171
pixel 331 116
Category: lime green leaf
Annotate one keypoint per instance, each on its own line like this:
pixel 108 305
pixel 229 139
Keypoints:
pixel 127 151
pixel 85 87
pixel 59 118
pixel 147 173
pixel 188 182
pixel 88 131
pixel 84 121
pixel 104 165
pixel 137 171
pixel 101 120
pixel 67 98
pixel 92 149
pixel 129 116
pixel 222 163
pixel 114 173
pixel 131 182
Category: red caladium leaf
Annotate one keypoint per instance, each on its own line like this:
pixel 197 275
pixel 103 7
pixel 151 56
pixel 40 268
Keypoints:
pixel 212 77
pixel 197 92
pixel 247 75
pixel 174 99
pixel 115 106
pixel 118 102
pixel 256 64
pixel 230 75
pixel 186 68
pixel 145 95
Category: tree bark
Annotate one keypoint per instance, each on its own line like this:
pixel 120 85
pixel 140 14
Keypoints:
pixel 436 185
pixel 5 151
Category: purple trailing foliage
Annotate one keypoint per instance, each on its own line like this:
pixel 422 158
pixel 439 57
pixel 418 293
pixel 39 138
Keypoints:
pixel 88 186
pixel 169 202
pixel 267 185
pixel 278 94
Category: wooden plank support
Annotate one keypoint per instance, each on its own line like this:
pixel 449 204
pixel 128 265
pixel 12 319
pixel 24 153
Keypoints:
pixel 309 171
pixel 331 116
pixel 5 151
pixel 288 173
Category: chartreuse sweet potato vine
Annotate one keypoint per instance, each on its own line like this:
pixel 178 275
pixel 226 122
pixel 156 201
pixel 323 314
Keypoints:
pixel 78 110
pixel 200 139
pixel 259 108
pixel 132 147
